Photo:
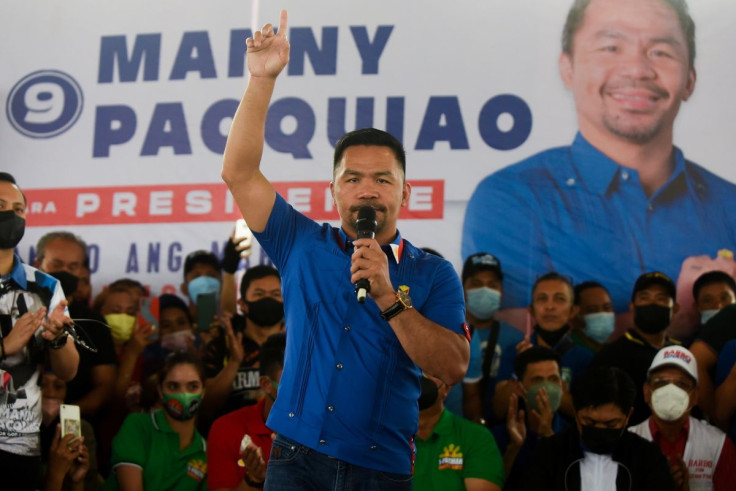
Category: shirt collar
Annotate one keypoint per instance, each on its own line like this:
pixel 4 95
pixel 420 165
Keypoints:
pixel 444 424
pixel 160 423
pixel 599 172
pixel 18 273
pixel 396 246
pixel 657 433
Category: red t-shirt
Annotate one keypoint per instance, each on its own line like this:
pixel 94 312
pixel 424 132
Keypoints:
pixel 223 444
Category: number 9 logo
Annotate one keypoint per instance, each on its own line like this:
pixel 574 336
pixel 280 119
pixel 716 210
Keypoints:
pixel 44 104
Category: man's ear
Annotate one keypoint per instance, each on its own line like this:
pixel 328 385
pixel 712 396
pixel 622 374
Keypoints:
pixel 405 194
pixel 690 86
pixel 675 309
pixel 564 65
pixel 243 306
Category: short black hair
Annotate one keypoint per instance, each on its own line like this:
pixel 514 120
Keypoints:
pixel 129 283
pixel 63 235
pixel 7 177
pixel 586 285
pixel 535 354
pixel 271 356
pixel 373 138
pixel 201 256
pixel 710 278
pixel 256 273
pixel 600 385
pixel 551 276
pixel 170 301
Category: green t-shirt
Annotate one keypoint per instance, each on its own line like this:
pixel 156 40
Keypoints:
pixel 456 450
pixel 147 441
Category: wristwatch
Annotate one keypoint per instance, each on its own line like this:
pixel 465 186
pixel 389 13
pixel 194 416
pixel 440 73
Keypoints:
pixel 59 341
pixel 403 302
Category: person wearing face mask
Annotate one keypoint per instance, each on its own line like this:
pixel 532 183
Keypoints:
pixel 595 321
pixel 232 465
pixel 34 324
pixel 597 452
pixel 552 310
pixel 452 452
pixel 162 449
pixel 652 305
pixel 231 360
pixel 532 411
pixel 202 274
pixel 701 456
pixel 482 280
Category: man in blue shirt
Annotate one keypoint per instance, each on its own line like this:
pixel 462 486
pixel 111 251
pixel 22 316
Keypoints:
pixel 346 412
pixel 621 199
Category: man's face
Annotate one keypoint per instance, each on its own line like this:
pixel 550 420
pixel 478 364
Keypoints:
pixel 653 294
pixel 541 371
pixel 269 286
pixel 12 199
pixel 61 255
pixel 552 306
pixel 714 297
pixel 670 375
pixel 593 301
pixel 629 70
pixel 606 416
pixel 202 269
pixel 370 176
pixel 483 278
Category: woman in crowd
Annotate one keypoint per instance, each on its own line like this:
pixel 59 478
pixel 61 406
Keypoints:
pixel 162 449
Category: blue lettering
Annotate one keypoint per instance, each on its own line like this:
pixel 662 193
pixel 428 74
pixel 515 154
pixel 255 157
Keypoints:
pixel 303 43
pixel 168 128
pixel 194 55
pixel 433 129
pixel 370 52
pixel 488 122
pixel 146 46
pixel 93 257
pixel 210 129
pixel 296 142
pixel 174 262
pixel 336 115
pixel 131 266
pixel 238 49
pixel 154 256
pixel 395 117
pixel 114 125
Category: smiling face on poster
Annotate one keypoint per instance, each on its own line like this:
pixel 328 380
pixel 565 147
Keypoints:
pixel 116 126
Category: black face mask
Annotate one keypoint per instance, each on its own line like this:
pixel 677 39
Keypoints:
pixel 12 228
pixel 551 337
pixel 68 281
pixel 600 440
pixel 265 312
pixel 652 318
pixel 429 394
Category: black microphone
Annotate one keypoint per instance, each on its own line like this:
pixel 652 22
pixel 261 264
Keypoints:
pixel 366 227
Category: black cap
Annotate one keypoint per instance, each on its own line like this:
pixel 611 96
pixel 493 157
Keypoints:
pixel 481 261
pixel 201 257
pixel 654 278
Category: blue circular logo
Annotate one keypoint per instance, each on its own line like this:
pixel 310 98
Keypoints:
pixel 44 104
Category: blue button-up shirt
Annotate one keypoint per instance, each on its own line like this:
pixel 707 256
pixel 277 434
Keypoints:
pixel 575 211
pixel 348 389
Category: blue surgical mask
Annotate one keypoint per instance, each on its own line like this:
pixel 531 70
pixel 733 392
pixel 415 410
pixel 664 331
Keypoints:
pixel 483 302
pixel 707 315
pixel 599 326
pixel 202 284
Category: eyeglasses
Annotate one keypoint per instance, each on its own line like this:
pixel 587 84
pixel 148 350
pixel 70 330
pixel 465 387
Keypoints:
pixel 686 385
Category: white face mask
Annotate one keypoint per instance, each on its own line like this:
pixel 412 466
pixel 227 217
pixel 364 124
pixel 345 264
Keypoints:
pixel 670 402
pixel 707 315
pixel 177 341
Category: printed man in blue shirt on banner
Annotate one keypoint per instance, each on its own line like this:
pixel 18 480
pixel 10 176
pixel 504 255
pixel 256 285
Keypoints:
pixel 621 199
pixel 346 412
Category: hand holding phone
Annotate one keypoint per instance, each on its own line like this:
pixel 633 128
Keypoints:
pixel 206 310
pixel 71 422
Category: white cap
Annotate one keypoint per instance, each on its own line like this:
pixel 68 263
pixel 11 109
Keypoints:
pixel 675 356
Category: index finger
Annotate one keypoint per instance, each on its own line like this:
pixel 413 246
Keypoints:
pixel 282 24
